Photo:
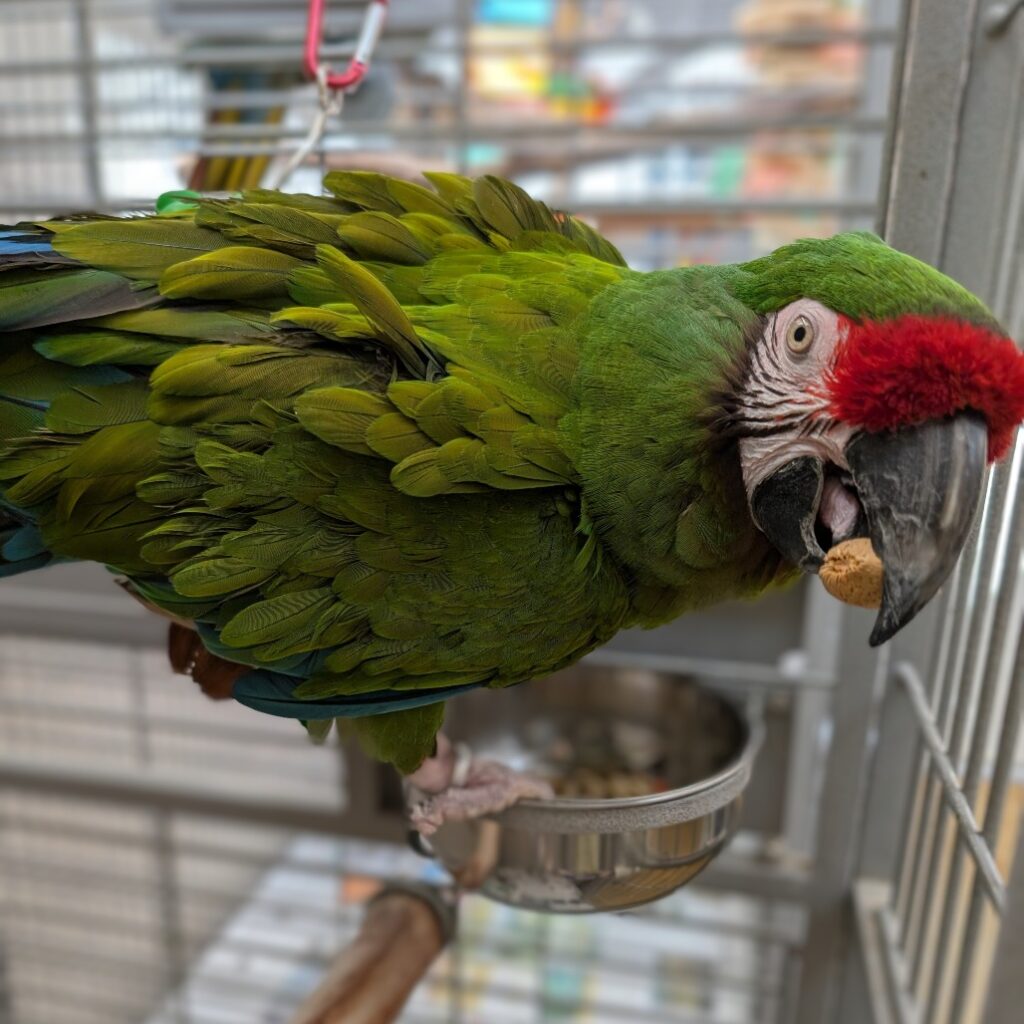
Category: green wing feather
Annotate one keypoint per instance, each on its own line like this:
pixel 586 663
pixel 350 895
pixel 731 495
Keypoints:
pixel 325 428
pixel 382 445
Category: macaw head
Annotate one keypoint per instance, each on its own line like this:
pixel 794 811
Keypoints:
pixel 871 400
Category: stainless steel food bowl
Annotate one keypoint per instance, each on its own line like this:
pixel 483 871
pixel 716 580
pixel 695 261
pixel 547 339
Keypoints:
pixel 580 855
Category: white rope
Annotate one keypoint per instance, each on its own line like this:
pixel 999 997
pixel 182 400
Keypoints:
pixel 330 105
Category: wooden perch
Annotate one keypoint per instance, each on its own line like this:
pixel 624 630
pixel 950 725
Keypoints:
pixel 404 929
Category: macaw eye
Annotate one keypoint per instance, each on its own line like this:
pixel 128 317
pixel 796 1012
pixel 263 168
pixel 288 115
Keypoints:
pixel 800 335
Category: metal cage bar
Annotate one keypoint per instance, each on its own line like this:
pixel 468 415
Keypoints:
pixel 924 937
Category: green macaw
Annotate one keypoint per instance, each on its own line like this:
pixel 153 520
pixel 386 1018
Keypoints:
pixel 392 445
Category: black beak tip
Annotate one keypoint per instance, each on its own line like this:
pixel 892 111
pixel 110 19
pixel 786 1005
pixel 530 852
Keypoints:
pixel 902 598
pixel 883 630
pixel 887 626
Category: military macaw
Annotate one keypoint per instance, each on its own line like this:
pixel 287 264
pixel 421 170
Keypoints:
pixel 389 445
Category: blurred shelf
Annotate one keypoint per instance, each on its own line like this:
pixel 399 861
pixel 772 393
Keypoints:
pixel 286 55
pixel 352 130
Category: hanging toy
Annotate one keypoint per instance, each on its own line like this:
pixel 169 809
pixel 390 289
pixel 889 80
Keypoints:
pixel 332 86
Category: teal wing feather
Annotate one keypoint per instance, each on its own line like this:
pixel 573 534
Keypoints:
pixel 324 429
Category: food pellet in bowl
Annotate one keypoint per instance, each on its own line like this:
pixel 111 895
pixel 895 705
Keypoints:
pixel 586 784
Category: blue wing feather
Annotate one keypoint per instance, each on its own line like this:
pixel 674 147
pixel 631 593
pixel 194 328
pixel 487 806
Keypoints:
pixel 271 693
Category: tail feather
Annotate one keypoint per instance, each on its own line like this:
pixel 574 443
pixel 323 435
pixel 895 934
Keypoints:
pixel 40 287
pixel 23 544
pixel 271 692
pixel 22 547
pixel 28 247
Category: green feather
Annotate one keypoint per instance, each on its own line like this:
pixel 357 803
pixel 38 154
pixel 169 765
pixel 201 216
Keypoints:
pixel 141 248
pixel 364 189
pixel 310 286
pixel 405 738
pixel 217 577
pixel 193 323
pixel 87 409
pixel 509 210
pixel 329 323
pixel 97 348
pixel 453 188
pixel 276 225
pixel 233 272
pixel 276 619
pixel 341 416
pixel 855 274
pixel 380 236
pixel 377 304
pixel 395 437
pixel 38 298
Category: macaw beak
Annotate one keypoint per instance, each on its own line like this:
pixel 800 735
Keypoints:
pixel 918 490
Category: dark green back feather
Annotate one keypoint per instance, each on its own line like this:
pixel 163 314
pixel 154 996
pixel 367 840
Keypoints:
pixel 325 428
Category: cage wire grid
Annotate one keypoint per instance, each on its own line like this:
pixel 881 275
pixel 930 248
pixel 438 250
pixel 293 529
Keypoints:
pixel 930 935
pixel 112 906
pixel 169 862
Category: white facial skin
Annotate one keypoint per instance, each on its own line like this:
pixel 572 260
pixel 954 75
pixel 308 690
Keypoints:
pixel 785 405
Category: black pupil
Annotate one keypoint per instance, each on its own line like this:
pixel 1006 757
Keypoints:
pixel 800 333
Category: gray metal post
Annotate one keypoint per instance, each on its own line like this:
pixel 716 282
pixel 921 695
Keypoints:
pixel 853 717
pixel 87 98
pixel 955 111
pixel 1006 985
pixel 952 198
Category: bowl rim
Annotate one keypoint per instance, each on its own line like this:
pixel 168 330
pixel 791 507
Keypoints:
pixel 670 807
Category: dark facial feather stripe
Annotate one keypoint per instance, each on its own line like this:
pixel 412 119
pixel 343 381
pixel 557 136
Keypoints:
pixel 761 401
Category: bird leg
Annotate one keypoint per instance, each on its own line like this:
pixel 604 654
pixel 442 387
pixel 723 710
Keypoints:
pixel 215 676
pixel 188 657
pixel 453 785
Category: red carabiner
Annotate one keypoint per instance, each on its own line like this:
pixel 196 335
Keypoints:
pixel 357 66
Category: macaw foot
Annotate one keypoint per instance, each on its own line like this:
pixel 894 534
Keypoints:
pixel 455 786
pixel 215 676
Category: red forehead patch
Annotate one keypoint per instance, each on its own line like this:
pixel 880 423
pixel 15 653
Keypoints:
pixel 897 373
